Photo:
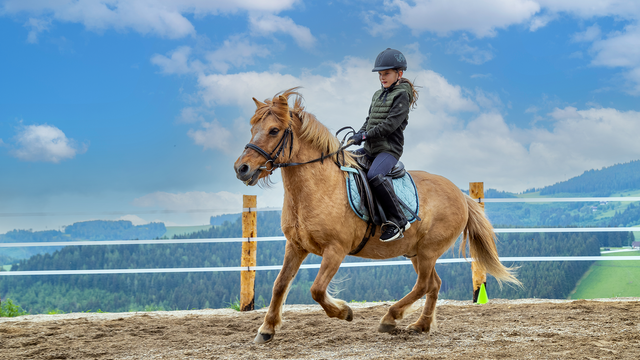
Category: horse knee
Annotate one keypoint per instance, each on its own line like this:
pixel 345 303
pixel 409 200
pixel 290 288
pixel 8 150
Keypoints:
pixel 317 293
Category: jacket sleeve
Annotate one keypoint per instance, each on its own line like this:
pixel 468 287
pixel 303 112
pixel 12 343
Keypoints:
pixel 397 114
pixel 364 126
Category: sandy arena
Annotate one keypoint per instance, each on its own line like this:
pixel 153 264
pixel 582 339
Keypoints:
pixel 501 329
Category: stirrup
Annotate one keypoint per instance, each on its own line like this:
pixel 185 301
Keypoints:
pixel 392 231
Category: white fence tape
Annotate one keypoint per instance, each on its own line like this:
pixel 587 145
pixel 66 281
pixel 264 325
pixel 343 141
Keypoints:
pixel 282 238
pixel 304 266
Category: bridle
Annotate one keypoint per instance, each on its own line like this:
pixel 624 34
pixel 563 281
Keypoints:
pixel 287 139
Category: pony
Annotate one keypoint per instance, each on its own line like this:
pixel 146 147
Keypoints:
pixel 317 219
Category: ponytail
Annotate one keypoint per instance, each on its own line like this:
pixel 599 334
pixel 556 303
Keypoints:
pixel 414 91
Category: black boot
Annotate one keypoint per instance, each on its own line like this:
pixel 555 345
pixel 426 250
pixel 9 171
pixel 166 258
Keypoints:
pixel 396 223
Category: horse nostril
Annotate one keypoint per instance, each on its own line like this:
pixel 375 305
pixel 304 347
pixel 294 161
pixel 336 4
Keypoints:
pixel 243 169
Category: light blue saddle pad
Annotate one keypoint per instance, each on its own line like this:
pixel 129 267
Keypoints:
pixel 404 187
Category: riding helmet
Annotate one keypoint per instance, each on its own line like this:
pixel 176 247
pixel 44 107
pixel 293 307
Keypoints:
pixel 390 59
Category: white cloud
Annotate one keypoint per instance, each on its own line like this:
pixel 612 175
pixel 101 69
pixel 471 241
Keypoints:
pixel 234 52
pixel 441 141
pixel 620 49
pixel 480 17
pixel 266 24
pixel 165 18
pixel 470 54
pixel 36 26
pixel 513 159
pixel 541 21
pixel 592 33
pixel 176 63
pixel 213 136
pixel 45 143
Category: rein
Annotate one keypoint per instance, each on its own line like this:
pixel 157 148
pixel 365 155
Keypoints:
pixel 287 138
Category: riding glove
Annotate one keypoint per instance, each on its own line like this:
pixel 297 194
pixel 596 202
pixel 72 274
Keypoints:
pixel 358 138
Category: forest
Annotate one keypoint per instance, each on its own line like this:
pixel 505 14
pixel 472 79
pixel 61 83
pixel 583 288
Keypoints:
pixel 38 294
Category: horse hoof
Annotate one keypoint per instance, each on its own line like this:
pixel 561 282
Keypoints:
pixel 263 338
pixel 349 315
pixel 386 328
pixel 414 329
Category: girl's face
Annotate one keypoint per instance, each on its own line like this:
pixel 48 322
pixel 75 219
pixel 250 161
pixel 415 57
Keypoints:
pixel 389 77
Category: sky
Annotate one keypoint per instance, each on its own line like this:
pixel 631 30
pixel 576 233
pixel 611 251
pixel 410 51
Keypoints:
pixel 138 109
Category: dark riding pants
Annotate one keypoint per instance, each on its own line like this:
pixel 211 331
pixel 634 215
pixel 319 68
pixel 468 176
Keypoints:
pixel 382 163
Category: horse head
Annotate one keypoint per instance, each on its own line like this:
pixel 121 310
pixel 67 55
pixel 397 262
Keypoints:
pixel 272 132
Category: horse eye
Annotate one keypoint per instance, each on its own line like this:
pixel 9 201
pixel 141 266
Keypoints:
pixel 274 131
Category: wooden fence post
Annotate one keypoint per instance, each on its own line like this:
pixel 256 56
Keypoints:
pixel 476 191
pixel 249 247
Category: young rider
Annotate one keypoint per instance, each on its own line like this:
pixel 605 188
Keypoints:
pixel 382 134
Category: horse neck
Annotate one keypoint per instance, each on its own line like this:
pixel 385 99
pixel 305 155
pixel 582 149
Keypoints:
pixel 309 180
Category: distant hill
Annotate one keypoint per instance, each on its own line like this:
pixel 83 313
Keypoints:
pixel 603 182
pixel 85 230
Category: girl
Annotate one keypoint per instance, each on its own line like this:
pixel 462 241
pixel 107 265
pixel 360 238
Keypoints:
pixel 382 134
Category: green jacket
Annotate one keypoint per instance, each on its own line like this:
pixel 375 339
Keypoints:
pixel 388 117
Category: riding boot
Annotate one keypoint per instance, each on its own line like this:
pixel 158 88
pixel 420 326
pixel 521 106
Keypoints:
pixel 396 223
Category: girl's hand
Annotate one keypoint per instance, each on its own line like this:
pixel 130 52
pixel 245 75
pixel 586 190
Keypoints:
pixel 358 138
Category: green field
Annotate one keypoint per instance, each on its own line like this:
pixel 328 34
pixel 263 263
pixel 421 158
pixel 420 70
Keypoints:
pixel 6 267
pixel 181 230
pixel 608 279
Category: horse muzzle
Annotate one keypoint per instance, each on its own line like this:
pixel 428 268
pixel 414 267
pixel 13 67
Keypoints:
pixel 248 177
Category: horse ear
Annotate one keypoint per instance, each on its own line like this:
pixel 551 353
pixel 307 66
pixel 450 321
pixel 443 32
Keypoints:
pixel 258 103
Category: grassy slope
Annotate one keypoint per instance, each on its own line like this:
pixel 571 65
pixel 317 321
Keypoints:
pixel 610 278
pixel 181 230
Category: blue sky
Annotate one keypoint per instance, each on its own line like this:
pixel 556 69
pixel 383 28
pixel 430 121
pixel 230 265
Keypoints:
pixel 137 109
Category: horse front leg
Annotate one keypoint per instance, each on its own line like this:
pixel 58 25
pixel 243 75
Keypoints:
pixel 293 258
pixel 337 308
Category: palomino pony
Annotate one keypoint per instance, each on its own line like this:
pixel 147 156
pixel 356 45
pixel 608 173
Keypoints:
pixel 316 217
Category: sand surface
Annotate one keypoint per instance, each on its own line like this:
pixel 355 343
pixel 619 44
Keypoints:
pixel 501 329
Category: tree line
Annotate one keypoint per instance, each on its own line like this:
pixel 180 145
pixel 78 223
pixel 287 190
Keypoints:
pixel 218 289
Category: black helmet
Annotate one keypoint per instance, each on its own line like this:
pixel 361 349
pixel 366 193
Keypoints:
pixel 390 59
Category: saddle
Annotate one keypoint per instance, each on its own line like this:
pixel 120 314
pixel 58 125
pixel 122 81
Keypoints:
pixel 366 195
pixel 363 203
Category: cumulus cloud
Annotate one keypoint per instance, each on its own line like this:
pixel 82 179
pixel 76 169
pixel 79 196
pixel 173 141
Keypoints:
pixel 266 24
pixel 213 136
pixel 234 52
pixel 442 138
pixel 165 18
pixel 45 143
pixel 480 17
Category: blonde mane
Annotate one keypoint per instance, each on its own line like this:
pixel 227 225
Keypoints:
pixel 312 131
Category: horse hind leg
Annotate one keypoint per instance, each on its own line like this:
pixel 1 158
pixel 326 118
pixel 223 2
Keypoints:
pixel 427 320
pixel 424 268
pixel 328 268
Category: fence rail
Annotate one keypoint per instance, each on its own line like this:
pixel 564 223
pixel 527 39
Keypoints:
pixel 282 238
pixel 307 266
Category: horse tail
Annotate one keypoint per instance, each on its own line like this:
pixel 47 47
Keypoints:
pixel 482 245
